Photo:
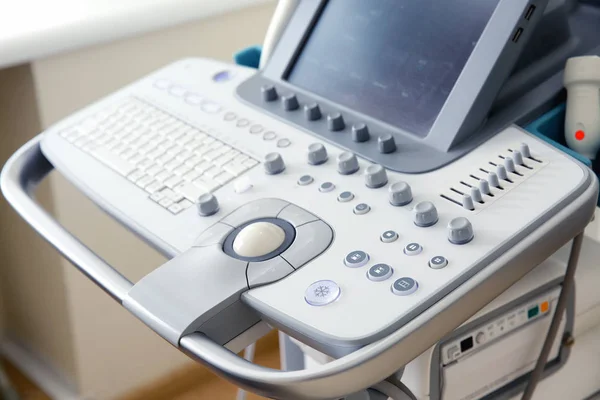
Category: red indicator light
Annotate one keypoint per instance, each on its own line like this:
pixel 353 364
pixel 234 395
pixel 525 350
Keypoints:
pixel 579 135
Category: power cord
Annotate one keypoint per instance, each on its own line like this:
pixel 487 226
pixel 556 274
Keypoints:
pixel 567 286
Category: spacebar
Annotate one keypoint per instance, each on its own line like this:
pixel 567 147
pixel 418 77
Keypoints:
pixel 112 160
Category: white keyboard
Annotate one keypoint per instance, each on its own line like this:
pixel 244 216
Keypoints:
pixel 172 161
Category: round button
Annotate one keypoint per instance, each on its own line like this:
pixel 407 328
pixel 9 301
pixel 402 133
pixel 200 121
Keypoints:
pixel 317 154
pixel 375 176
pixel 269 93
pixel 283 143
pixel 210 107
pixel 290 102
pixel 356 259
pixel 207 205
pixel 269 135
pixel 258 239
pixel 335 122
pixel 389 236
pixel 360 133
pixel 361 209
pixel 326 187
pixel 177 91
pixel 347 163
pixel 386 144
pixel 230 116
pixel 312 112
pixel 400 194
pixel 345 197
pixel 425 214
pixel 322 293
pixel 274 164
pixel 255 129
pixel 305 180
pixel 380 272
pixel 412 249
pixel 242 123
pixel 460 231
pixel 193 99
pixel 480 338
pixel 438 262
pixel 405 286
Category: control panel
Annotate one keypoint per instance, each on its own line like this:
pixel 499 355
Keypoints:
pixel 267 221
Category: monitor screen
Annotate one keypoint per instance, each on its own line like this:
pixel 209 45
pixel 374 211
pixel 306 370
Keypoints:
pixel 393 60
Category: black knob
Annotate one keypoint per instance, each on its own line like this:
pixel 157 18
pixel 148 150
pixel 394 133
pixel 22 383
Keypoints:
pixel 290 102
pixel 387 144
pixel 335 122
pixel 269 93
pixel 360 133
pixel 312 112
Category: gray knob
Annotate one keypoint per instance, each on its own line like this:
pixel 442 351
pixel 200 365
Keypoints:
pixel 476 194
pixel 524 148
pixel 425 214
pixel 290 102
pixel 460 231
pixel 493 180
pixel 375 176
pixel 312 112
pixel 517 157
pixel 207 205
pixel 317 154
pixel 347 163
pixel 467 202
pixel 484 186
pixel 501 172
pixel 400 194
pixel 335 122
pixel 274 164
pixel 360 133
pixel 269 93
pixel 386 144
pixel 509 164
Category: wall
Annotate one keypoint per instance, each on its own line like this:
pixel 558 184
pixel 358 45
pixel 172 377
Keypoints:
pixel 32 284
pixel 110 346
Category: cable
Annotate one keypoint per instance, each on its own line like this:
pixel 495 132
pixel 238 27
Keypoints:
pixel 567 286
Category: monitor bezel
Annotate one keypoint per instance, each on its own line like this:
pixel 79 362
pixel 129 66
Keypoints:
pixel 489 62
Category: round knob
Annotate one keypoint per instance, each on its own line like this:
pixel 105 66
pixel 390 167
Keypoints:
pixel 335 122
pixel 484 186
pixel 269 93
pixel 517 157
pixel 400 194
pixel 375 176
pixel 467 202
pixel 360 133
pixel 274 164
pixel 501 172
pixel 425 214
pixel 347 163
pixel 290 102
pixel 509 164
pixel 460 231
pixel 207 205
pixel 386 144
pixel 258 239
pixel 493 180
pixel 524 149
pixel 317 154
pixel 312 112
pixel 476 194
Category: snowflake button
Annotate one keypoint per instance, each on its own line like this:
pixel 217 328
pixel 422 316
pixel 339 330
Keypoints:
pixel 322 293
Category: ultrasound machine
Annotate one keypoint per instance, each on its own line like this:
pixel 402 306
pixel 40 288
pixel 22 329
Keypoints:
pixel 370 191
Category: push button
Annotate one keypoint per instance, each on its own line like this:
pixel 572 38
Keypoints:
pixel 356 259
pixel 438 262
pixel 405 286
pixel 345 197
pixel 412 249
pixel 380 272
pixel 389 236
pixel 305 180
pixel 326 187
pixel 322 293
pixel 362 209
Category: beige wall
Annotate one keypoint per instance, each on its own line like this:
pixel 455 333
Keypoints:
pixel 31 278
pixel 113 351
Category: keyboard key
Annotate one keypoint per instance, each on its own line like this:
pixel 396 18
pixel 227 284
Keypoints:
pixel 154 187
pixel 173 181
pixel 241 158
pixel 81 141
pixel 182 141
pixel 185 204
pixel 212 172
pixel 166 145
pixel 127 153
pixel 185 155
pixel 135 175
pixel 162 176
pixel 145 164
pixel 190 191
pixel 172 165
pixel 113 161
pixel 175 209
pixel 182 170
pixel 144 181
pixel 190 176
pixel 206 183
pixel 235 168
pixel 175 150
pixel 91 145
pixel 154 170
pixel 222 160
pixel 166 202
pixel 250 163
pixel 136 158
pixel 194 144
pixel 154 154
pixel 165 158
pixel 176 197
pixel 203 167
pixel 224 177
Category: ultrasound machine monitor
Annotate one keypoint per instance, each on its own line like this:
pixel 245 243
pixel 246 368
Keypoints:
pixel 422 76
